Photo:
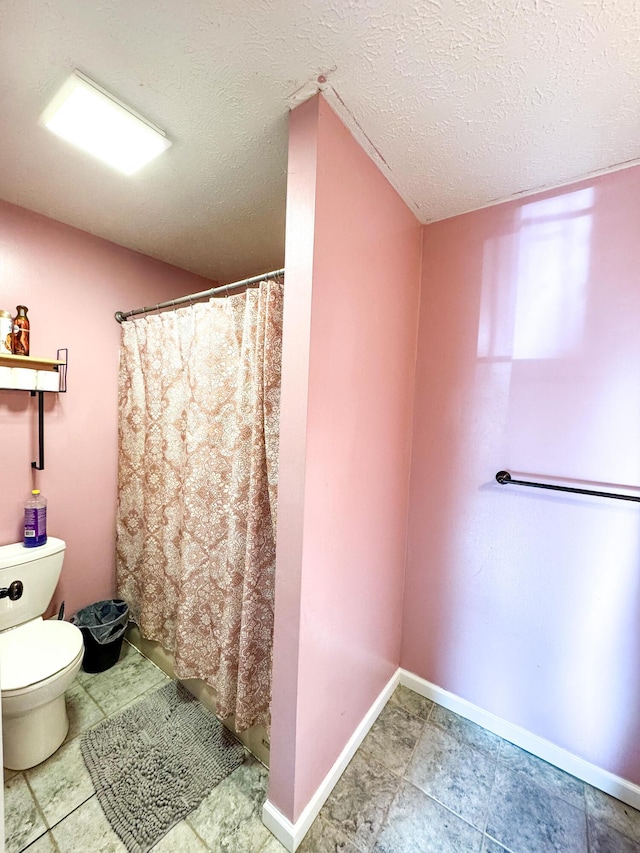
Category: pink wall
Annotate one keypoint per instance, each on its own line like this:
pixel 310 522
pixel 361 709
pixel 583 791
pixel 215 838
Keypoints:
pixel 353 262
pixel 72 284
pixel 527 603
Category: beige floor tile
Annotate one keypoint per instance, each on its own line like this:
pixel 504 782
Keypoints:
pixel 466 731
pixel 229 819
pixel 87 830
pixel 180 839
pixel 411 702
pixel 416 822
pixel 392 738
pixel 23 822
pixel 546 775
pixel 61 783
pixel 82 710
pixel 119 686
pixel 273 846
pixel 616 814
pixel 525 816
pixel 360 801
pixel 44 844
pixel 326 837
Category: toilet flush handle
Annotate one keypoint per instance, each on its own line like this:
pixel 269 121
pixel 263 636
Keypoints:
pixel 13 591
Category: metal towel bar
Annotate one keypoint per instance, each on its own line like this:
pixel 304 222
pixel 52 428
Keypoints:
pixel 505 478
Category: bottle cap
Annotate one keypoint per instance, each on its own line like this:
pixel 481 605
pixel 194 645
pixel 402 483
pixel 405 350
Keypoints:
pixel 35 491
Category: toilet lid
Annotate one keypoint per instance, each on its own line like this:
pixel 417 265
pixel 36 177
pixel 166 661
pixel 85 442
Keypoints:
pixel 35 651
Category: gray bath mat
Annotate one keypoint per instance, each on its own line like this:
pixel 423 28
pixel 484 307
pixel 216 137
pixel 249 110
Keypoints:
pixel 155 762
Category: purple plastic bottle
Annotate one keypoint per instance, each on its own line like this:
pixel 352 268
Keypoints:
pixel 35 520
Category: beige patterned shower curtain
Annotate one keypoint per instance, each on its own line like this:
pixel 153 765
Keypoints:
pixel 199 395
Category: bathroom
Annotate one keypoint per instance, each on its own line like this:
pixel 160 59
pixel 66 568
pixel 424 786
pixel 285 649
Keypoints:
pixel 426 370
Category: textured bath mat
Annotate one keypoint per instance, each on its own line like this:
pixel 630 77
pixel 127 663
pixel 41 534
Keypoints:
pixel 155 762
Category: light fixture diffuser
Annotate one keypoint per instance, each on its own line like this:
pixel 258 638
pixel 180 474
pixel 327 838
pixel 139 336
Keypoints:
pixel 92 119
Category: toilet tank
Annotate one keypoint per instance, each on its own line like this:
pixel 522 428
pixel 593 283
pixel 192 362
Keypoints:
pixel 38 569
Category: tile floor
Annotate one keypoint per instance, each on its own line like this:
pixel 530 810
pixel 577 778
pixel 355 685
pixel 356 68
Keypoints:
pixel 52 808
pixel 424 779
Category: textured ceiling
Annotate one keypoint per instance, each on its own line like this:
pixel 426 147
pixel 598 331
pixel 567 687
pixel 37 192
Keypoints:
pixel 462 103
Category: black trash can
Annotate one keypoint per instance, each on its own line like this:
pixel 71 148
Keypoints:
pixel 103 625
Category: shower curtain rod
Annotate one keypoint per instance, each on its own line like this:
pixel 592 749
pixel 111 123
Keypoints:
pixel 222 290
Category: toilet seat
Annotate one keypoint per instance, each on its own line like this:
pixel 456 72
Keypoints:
pixel 35 651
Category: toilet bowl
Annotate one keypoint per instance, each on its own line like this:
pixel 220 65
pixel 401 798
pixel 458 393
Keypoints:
pixel 39 659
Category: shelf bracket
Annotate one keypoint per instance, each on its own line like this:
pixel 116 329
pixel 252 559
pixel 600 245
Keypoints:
pixel 63 356
pixel 39 465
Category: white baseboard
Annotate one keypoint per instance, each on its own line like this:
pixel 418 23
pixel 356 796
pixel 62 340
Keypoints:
pixel 291 834
pixel 618 787
pixel 280 826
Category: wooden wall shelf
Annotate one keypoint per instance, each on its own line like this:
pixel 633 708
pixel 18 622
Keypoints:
pixel 29 361
pixel 38 365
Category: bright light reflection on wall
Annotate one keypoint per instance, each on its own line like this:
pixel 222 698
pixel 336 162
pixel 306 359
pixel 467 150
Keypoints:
pixel 553 264
pixel 547 255
pixel 596 643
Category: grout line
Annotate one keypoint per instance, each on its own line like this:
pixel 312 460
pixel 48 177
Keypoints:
pixel 588 813
pixel 39 838
pixel 407 711
pixel 490 797
pixel 130 701
pixel 95 700
pixel 401 778
pixel 460 739
pixel 442 805
pixel 195 832
pixel 366 754
pixel 82 731
pixel 499 761
pixel 462 742
pixel 38 809
pixel 431 710
pixel 584 796
pixel 386 814
pixel 588 834
pixel 35 800
pixel 549 791
pixel 73 811
pixel 552 792
pixel 415 746
pixel 613 828
pixel 504 847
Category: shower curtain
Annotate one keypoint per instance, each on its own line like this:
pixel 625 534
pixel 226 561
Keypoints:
pixel 199 404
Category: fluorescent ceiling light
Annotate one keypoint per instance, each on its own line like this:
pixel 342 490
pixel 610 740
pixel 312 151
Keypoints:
pixel 90 118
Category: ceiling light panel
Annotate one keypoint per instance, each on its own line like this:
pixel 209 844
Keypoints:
pixel 91 119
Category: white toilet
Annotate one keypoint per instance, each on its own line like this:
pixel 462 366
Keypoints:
pixel 39 659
